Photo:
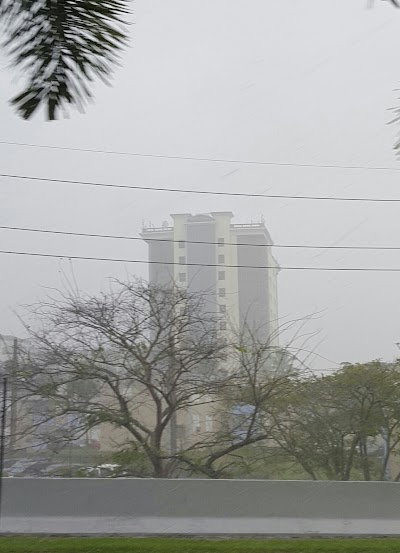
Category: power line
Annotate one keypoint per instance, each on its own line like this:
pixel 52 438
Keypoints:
pixel 201 159
pixel 221 266
pixel 202 192
pixel 170 240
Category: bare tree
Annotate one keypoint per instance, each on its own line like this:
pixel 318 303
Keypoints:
pixel 132 359
pixel 259 376
pixel 145 362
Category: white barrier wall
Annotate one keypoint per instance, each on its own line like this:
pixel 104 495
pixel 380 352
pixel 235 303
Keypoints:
pixel 151 506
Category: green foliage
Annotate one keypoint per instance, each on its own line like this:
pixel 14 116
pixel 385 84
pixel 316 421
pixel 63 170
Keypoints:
pixel 61 45
pixel 47 390
pixel 262 462
pixel 82 390
pixel 331 425
pixel 69 472
pixel 132 462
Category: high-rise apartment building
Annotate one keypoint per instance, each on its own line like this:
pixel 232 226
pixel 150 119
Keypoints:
pixel 208 253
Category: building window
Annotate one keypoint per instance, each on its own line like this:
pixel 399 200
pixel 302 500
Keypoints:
pixel 221 275
pixel 209 423
pixel 196 422
pixel 181 244
pixel 182 277
pixel 181 435
pixel 221 292
pixel 222 308
pixel 182 260
pixel 221 259
pixel 221 242
pixel 222 325
pixel 93 435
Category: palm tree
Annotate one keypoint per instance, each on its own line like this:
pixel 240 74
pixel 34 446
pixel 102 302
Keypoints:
pixel 62 45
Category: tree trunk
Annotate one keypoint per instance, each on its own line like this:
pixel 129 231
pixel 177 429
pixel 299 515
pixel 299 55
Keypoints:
pixel 364 459
pixel 159 468
pixel 384 473
pixel 350 460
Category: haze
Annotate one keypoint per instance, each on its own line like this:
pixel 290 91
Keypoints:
pixel 282 81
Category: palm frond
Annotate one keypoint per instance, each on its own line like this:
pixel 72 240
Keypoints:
pixel 62 45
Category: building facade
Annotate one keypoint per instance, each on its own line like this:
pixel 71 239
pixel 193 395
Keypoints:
pixel 208 253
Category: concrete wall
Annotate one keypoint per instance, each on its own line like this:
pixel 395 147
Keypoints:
pixel 162 252
pixel 148 506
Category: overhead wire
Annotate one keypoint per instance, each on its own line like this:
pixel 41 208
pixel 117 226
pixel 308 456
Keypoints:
pixel 221 266
pixel 200 158
pixel 111 185
pixel 205 242
pixel 200 192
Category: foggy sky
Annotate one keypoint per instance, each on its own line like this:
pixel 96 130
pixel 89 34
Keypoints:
pixel 302 81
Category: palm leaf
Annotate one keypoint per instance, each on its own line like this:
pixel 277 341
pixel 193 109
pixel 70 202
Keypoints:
pixel 62 45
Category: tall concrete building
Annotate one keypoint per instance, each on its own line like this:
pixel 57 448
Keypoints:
pixel 208 253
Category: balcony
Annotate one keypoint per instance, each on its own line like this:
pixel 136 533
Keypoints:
pixel 157 229
pixel 249 225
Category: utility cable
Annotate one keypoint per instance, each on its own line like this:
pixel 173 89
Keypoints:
pixel 201 159
pixel 201 192
pixel 170 240
pixel 221 266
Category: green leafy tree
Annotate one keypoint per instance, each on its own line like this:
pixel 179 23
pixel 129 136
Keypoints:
pixel 313 432
pixel 371 393
pixel 331 425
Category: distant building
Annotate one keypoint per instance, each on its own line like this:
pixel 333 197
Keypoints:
pixel 28 415
pixel 208 253
pixel 7 345
pixel 9 349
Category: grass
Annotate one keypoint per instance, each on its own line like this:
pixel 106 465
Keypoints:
pixel 171 545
